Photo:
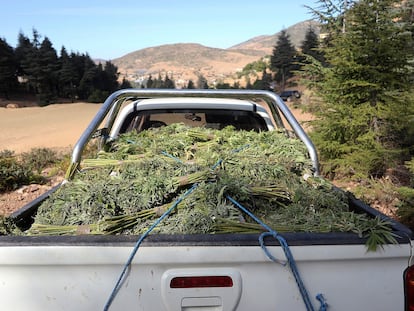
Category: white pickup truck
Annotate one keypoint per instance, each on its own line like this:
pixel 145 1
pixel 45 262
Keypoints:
pixel 293 271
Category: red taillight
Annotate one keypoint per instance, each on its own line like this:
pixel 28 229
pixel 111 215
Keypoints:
pixel 201 281
pixel 409 288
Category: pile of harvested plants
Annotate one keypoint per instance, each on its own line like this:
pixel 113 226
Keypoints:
pixel 140 175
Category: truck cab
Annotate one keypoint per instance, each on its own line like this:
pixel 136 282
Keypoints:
pixel 214 113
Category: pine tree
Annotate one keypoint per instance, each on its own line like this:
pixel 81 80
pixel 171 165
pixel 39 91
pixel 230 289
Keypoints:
pixel 249 85
pixel 169 83
pixel 89 72
pixel 67 76
pixel 110 77
pixel 23 48
pixel 150 82
pixel 190 84
pixel 8 69
pixel 202 82
pixel 47 76
pixel 310 47
pixel 283 59
pixel 38 63
pixel 264 82
pixel 365 90
pixel 72 76
pixel 407 18
pixel 158 83
pixel 125 84
pixel 27 54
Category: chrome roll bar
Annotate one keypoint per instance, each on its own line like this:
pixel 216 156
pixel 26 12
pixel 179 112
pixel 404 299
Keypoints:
pixel 112 104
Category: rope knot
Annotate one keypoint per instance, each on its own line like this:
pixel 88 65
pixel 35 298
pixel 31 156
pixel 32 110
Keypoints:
pixel 323 305
pixel 264 247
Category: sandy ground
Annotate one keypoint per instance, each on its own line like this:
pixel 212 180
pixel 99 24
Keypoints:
pixel 55 126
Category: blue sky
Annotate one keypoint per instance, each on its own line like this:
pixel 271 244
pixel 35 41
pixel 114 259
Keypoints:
pixel 109 28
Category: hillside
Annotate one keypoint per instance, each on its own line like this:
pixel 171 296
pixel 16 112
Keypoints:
pixel 184 61
pixel 266 43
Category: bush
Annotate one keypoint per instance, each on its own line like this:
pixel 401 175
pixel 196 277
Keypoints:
pixel 410 165
pixel 406 194
pixel 405 208
pixel 44 99
pixel 98 96
pixel 13 173
pixel 39 158
pixel 25 169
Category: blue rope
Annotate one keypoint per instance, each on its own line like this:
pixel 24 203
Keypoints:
pixel 219 161
pixel 322 301
pixel 137 245
pixel 267 253
pixel 241 148
pixel 171 156
pixel 289 257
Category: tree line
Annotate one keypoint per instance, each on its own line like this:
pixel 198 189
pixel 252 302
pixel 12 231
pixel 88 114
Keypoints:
pixel 361 77
pixel 35 68
pixel 363 86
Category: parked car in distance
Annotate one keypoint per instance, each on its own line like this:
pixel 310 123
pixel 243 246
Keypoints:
pixel 289 95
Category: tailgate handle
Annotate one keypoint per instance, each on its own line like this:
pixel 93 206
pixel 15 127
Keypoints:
pixel 201 289
pixel 192 303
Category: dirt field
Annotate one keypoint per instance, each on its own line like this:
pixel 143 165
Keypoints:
pixel 55 126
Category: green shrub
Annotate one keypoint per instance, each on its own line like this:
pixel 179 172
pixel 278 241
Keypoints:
pixel 98 96
pixel 406 194
pixel 44 99
pixel 13 173
pixel 406 206
pixel 38 159
pixel 410 165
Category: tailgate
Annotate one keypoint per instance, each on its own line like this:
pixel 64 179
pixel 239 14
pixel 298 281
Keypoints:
pixel 199 277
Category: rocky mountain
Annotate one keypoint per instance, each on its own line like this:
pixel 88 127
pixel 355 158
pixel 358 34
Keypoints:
pixel 185 61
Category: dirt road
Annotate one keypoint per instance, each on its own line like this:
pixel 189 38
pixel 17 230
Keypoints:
pixel 55 126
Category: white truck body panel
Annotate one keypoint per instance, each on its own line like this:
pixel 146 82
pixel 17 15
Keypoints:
pixel 82 277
